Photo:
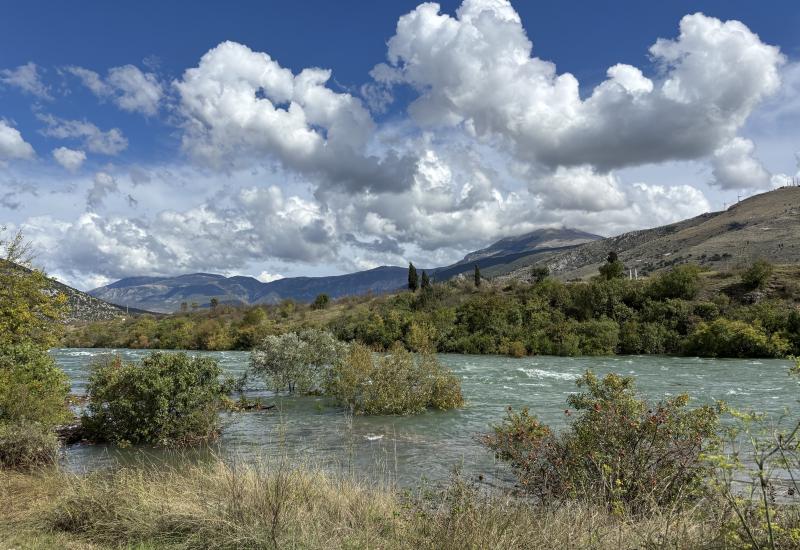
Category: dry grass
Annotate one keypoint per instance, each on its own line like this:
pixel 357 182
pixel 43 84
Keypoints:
pixel 219 506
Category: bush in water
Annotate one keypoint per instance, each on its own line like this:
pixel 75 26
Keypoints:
pixel 399 382
pixel 618 450
pixel 166 399
pixel 295 361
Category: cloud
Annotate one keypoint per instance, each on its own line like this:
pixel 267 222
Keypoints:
pixel 266 277
pixel 476 71
pixel 735 166
pixel 127 86
pixel 26 77
pixel 239 105
pixel 10 192
pixel 103 185
pixel 111 142
pixel 70 159
pixel 12 146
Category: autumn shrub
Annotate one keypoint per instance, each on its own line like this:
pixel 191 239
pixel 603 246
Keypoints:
pixel 400 382
pixel 617 450
pixel 167 399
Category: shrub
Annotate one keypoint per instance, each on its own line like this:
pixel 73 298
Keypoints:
pixel 682 282
pixel 32 387
pixel 726 338
pixel 27 445
pixel 617 450
pixel 399 382
pixel 166 399
pixel 295 361
pixel 757 275
pixel 321 301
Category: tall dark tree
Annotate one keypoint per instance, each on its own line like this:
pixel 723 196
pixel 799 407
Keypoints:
pixel 214 303
pixel 426 282
pixel 413 281
pixel 613 268
pixel 477 276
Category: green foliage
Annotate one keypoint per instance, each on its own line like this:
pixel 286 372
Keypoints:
pixel 426 281
pixel 681 282
pixel 32 387
pixel 476 276
pixel 599 317
pixel 27 445
pixel 617 450
pixel 29 310
pixel 413 282
pixel 167 399
pixel 613 268
pixel 321 301
pixel 295 361
pixel 399 382
pixel 725 338
pixel 539 274
pixel 757 275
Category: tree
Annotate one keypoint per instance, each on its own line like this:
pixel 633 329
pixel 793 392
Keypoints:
pixel 757 275
pixel 477 276
pixel 426 282
pixel 613 268
pixel 33 390
pixel 214 303
pixel 413 283
pixel 295 361
pixel 539 274
pixel 321 301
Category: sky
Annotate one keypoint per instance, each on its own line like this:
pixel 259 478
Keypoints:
pixel 315 138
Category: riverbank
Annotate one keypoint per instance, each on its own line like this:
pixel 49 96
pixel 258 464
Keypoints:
pixel 273 506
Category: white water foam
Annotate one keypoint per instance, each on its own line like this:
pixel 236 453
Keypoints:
pixel 541 373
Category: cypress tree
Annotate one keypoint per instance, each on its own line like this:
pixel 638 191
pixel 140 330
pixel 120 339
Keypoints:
pixel 477 276
pixel 413 283
pixel 426 282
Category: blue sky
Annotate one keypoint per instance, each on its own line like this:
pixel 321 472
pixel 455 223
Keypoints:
pixel 395 159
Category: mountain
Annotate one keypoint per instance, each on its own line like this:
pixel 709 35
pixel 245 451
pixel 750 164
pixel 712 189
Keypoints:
pixel 765 226
pixel 166 294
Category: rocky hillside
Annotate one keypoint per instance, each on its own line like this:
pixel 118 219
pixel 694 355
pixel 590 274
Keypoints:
pixel 83 307
pixel 765 226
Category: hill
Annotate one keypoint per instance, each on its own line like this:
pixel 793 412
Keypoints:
pixel 83 307
pixel 765 226
pixel 166 294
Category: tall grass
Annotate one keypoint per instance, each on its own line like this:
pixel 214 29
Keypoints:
pixel 218 505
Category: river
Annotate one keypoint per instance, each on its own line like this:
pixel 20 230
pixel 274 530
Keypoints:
pixel 431 445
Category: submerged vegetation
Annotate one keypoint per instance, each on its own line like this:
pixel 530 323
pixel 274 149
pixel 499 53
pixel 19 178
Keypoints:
pixel 165 399
pixel 681 311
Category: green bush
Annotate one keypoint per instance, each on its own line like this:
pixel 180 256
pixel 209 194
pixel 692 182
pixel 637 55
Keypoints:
pixel 757 275
pixel 399 382
pixel 27 445
pixel 681 282
pixel 725 338
pixel 617 450
pixel 167 399
pixel 32 387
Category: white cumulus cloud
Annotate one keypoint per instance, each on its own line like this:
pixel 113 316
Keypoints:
pixel 12 146
pixel 27 78
pixel 127 86
pixel 70 159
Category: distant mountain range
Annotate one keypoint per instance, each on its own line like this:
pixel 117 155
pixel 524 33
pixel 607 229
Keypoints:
pixel 764 226
pixel 166 294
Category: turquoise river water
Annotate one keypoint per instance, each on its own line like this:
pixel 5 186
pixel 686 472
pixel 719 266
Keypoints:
pixel 431 445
